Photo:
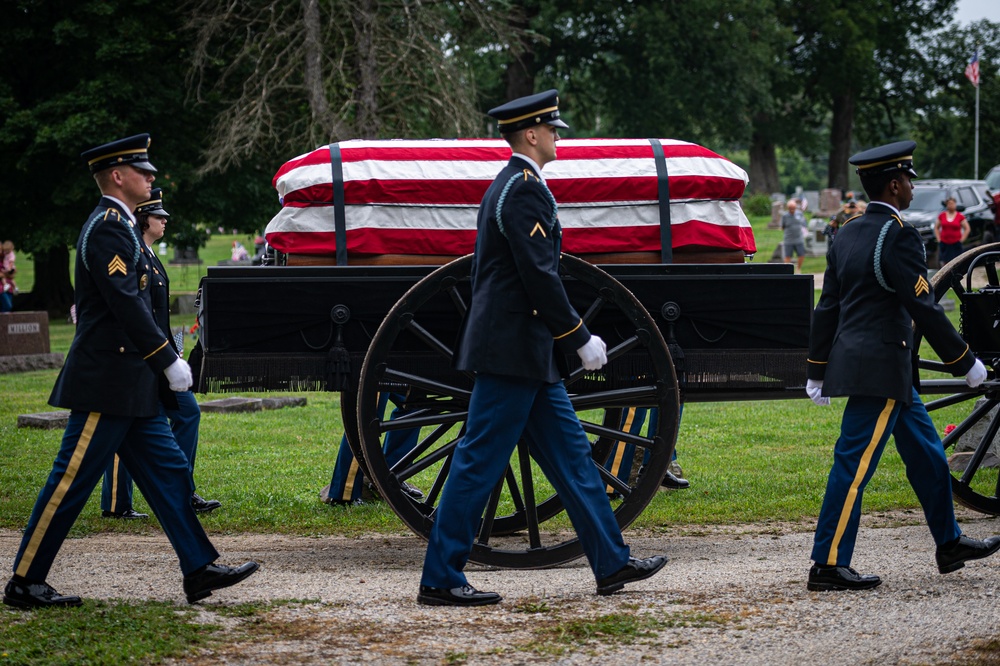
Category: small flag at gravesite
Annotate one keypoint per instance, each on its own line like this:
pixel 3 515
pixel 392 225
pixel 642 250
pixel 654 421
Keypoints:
pixel 972 69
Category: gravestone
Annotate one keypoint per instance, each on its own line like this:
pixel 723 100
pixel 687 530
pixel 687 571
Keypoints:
pixel 24 342
pixel 44 420
pixel 777 210
pixel 829 201
pixel 24 333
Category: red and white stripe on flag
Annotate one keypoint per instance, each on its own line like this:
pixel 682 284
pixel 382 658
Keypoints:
pixel 421 197
pixel 972 69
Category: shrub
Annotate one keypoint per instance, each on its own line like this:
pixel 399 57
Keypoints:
pixel 757 204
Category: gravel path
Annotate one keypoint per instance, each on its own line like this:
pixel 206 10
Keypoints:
pixel 733 594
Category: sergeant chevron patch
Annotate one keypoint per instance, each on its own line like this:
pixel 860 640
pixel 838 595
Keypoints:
pixel 117 265
pixel 921 287
pixel 538 228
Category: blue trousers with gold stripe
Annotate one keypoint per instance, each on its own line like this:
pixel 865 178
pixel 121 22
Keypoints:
pixel 346 483
pixel 116 490
pixel 864 430
pixel 160 469
pixel 500 410
pixel 622 455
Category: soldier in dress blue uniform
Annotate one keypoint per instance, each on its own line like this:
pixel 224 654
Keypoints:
pixel 861 346
pixel 347 485
pixel 109 382
pixel 181 407
pixel 518 316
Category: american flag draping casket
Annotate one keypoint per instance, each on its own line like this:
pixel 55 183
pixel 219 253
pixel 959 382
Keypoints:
pixel 420 197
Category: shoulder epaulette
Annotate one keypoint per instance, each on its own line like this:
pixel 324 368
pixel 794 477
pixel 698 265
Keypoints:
pixel 110 215
pixel 853 218
pixel 506 190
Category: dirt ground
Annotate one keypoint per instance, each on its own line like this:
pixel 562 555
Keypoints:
pixel 733 594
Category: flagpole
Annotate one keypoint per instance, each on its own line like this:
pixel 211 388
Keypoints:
pixel 975 160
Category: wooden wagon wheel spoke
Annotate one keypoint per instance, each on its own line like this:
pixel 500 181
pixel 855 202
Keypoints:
pixel 973 484
pixel 642 396
pixel 982 448
pixel 425 384
pixel 617 435
pixel 514 490
pixel 402 467
pixel 486 526
pixel 611 480
pixel 593 310
pixel 531 514
pixel 429 339
pixel 435 490
pixel 640 373
pixel 427 461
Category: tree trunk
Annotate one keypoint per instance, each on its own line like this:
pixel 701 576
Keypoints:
pixel 366 100
pixel 841 133
pixel 53 291
pixel 323 122
pixel 763 165
pixel 519 78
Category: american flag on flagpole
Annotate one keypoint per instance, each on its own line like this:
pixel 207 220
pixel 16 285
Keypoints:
pixel 972 69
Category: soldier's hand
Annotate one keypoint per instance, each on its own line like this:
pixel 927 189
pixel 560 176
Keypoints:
pixel 594 354
pixel 179 375
pixel 977 375
pixel 814 389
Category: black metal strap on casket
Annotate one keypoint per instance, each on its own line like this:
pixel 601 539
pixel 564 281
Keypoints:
pixel 339 219
pixel 663 195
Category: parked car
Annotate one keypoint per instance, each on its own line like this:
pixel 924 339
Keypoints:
pixel 993 179
pixel 973 199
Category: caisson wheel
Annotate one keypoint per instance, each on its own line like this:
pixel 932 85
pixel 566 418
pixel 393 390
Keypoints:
pixel 973 281
pixel 411 357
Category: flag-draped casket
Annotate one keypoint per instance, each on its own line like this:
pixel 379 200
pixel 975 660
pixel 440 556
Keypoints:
pixel 403 197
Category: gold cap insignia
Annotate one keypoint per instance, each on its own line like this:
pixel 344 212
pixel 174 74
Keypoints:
pixel 117 266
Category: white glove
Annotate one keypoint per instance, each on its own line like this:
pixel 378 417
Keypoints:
pixel 594 354
pixel 814 389
pixel 977 375
pixel 179 375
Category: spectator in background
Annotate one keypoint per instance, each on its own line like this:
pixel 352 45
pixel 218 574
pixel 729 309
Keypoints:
pixel 847 211
pixel 7 269
pixel 950 229
pixel 794 225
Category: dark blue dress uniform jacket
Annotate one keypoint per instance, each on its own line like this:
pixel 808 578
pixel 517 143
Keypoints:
pixel 119 352
pixel 519 305
pixel 862 338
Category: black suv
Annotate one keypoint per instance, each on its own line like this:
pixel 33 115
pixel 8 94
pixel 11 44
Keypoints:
pixel 973 201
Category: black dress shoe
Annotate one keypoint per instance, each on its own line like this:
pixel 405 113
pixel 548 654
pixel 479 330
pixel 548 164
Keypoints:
pixel 830 579
pixel 210 577
pixel 127 514
pixel 412 491
pixel 202 505
pixel 674 482
pixel 964 549
pixel 20 593
pixel 456 596
pixel 632 571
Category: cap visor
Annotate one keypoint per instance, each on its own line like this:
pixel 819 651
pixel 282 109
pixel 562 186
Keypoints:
pixel 146 166
pixel 557 123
